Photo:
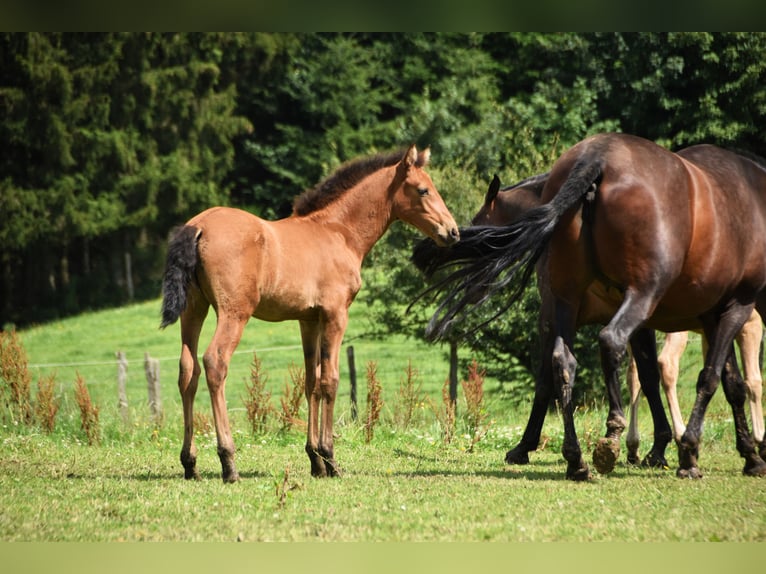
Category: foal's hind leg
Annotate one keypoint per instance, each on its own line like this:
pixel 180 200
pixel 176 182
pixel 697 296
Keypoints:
pixel 228 333
pixel 189 370
pixel 669 364
pixel 749 340
pixel 632 439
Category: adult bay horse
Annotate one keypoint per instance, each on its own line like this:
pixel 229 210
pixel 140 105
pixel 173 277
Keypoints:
pixel 676 240
pixel 305 267
pixel 503 206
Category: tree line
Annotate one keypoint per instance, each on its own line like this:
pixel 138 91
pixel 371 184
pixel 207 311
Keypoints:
pixel 109 140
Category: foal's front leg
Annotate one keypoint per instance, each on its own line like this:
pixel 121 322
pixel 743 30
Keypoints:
pixel 334 326
pixel 311 343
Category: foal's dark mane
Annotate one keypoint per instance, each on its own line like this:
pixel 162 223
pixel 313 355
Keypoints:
pixel 343 179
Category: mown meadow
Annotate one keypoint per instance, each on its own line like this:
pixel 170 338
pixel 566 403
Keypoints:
pixel 401 482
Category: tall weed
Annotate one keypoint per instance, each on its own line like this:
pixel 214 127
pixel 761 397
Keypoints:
pixel 88 411
pixel 15 378
pixel 374 401
pixel 292 398
pixel 446 414
pixel 475 412
pixel 409 397
pixel 257 398
pixel 47 405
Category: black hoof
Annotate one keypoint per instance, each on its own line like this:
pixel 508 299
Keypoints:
pixel 517 456
pixel 578 473
pixel 755 468
pixel 654 460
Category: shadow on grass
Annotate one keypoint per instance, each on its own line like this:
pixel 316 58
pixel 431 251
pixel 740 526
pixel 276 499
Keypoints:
pixel 534 470
pixel 151 476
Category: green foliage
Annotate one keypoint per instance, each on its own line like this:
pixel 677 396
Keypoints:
pixel 109 140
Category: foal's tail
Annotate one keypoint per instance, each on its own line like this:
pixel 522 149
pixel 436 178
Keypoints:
pixel 179 272
pixel 491 259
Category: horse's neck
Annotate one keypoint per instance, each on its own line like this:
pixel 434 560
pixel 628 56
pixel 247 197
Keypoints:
pixel 362 214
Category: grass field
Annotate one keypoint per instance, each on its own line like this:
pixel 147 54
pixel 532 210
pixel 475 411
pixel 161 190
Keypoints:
pixel 406 485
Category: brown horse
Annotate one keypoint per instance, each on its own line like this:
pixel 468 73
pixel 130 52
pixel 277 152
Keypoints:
pixel 506 205
pixel 675 241
pixel 305 267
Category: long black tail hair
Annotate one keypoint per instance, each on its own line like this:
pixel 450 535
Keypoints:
pixel 491 259
pixel 180 266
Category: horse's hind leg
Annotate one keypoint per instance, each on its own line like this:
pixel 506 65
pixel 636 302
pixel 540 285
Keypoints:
pixel 644 348
pixel 736 394
pixel 613 342
pixel 228 333
pixel 720 333
pixel 189 370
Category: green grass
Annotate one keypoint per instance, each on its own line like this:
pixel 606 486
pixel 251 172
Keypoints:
pixel 406 485
pixel 401 487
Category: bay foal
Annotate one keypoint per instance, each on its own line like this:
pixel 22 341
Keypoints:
pixel 306 267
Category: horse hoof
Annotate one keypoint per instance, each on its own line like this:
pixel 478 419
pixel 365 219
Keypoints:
pixel 633 459
pixel 516 456
pixel 191 474
pixel 693 472
pixel 653 460
pixel 581 474
pixel 333 470
pixel 605 455
pixel 757 468
pixel 230 478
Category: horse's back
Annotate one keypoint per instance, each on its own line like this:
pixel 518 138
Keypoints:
pixel 636 213
pixel 689 227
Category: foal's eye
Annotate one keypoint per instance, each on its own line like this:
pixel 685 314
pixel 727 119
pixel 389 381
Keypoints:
pixel 422 191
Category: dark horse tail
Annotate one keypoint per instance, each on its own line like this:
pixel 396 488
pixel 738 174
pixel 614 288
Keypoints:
pixel 179 272
pixel 491 259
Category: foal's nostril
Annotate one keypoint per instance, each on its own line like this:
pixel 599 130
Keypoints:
pixel 454 233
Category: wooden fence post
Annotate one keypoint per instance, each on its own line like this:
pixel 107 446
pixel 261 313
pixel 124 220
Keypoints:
pixel 152 368
pixel 352 375
pixel 122 377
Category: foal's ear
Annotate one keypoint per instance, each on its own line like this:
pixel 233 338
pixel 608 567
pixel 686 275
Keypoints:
pixel 411 157
pixel 494 188
pixel 424 157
